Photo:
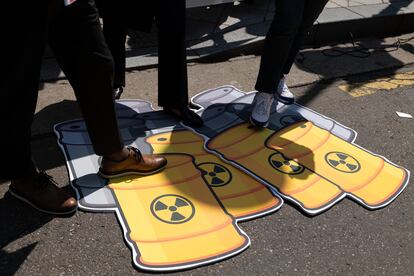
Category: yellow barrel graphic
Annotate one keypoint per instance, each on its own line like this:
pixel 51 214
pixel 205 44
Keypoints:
pixel 174 219
pixel 246 146
pixel 241 194
pixel 368 177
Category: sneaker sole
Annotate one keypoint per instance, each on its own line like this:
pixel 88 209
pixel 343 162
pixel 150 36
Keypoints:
pixel 285 101
pixel 257 124
pixel 110 176
pixel 40 209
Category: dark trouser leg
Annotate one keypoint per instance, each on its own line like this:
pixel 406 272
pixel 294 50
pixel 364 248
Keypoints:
pixel 19 86
pixel 79 46
pixel 115 36
pixel 172 70
pixel 313 9
pixel 278 43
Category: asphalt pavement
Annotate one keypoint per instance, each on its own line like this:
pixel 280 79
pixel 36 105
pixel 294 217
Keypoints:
pixel 345 240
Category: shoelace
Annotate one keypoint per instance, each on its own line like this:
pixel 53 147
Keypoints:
pixel 285 90
pixel 138 154
pixel 282 87
pixel 43 179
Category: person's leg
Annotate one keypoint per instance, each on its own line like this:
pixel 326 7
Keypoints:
pixel 312 10
pixel 172 62
pixel 19 96
pixel 277 45
pixel 77 40
pixel 172 66
pixel 21 60
pixel 115 36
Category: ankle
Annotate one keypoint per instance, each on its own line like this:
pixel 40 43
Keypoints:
pixel 265 94
pixel 118 156
pixel 173 109
pixel 25 179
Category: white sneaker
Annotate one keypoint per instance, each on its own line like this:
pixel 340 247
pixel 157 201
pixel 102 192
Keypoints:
pixel 262 105
pixel 283 93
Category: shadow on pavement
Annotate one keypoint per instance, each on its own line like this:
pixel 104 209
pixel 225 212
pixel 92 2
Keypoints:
pixel 18 220
pixel 346 62
pixel 45 151
pixel 10 262
pixel 45 119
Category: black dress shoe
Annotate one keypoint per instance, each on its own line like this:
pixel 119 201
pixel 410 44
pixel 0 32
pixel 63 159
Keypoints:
pixel 42 192
pixel 186 115
pixel 118 92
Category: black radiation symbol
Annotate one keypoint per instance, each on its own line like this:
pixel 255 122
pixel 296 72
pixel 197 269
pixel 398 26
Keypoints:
pixel 286 166
pixel 172 209
pixel 214 174
pixel 342 162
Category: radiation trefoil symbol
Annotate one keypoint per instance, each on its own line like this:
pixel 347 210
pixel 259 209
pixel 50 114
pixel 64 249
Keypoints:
pixel 214 174
pixel 172 209
pixel 343 162
pixel 286 166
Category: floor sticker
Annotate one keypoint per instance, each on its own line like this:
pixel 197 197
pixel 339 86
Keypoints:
pixel 223 173
pixel 242 196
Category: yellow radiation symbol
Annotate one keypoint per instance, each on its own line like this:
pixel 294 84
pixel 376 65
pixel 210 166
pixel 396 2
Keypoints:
pixel 214 174
pixel 286 166
pixel 342 162
pixel 172 209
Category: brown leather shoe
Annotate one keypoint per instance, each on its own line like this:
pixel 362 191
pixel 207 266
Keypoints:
pixel 42 193
pixel 135 163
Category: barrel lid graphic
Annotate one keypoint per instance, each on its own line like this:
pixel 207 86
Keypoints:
pixel 130 108
pixel 242 110
pixel 157 119
pixel 311 116
pixel 214 111
pixel 90 181
pixel 74 126
pixel 225 94
pixel 216 118
pixel 172 209
pixel 246 99
pixel 289 134
pixel 288 120
pixel 171 175
pixel 73 132
pixel 76 133
pixel 237 107
pixel 153 115
pixel 317 119
pixel 174 137
pixel 239 133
